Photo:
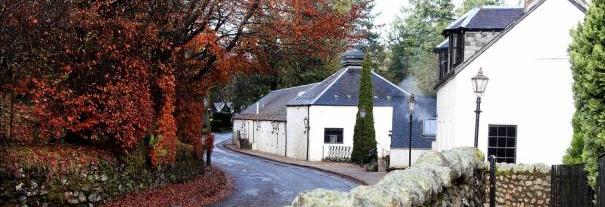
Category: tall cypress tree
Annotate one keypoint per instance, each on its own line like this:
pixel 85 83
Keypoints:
pixel 587 53
pixel 364 137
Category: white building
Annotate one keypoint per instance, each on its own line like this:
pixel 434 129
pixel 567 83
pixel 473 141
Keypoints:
pixel 528 104
pixel 316 121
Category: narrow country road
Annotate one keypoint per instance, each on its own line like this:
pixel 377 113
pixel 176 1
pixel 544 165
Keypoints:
pixel 261 182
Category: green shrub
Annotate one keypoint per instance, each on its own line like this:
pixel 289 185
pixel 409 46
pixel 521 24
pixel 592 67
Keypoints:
pixel 364 135
pixel 221 121
pixel 587 53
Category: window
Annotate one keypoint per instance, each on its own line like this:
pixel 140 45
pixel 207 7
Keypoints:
pixel 429 127
pixel 443 64
pixel 333 135
pixel 502 143
pixel 456 49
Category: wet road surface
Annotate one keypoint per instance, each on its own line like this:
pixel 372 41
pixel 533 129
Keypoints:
pixel 264 183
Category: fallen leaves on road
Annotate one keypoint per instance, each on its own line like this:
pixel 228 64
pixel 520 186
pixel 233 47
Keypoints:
pixel 203 190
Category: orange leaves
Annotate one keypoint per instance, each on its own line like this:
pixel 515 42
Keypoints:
pixel 119 71
pixel 203 190
pixel 164 151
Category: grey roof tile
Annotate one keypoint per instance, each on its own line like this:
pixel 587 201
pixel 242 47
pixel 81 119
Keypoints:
pixel 487 18
pixel 272 107
pixel 426 108
pixel 342 89
pixel 309 97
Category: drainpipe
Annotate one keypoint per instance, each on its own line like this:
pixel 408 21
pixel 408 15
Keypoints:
pixel 308 129
pixel 286 138
pixel 253 130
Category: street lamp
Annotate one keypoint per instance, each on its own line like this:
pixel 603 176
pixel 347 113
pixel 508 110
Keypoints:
pixel 411 109
pixel 479 84
pixel 362 115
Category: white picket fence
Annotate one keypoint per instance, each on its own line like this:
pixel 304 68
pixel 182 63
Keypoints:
pixel 337 153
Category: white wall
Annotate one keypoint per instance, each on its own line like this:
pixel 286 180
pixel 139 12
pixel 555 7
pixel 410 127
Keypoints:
pixel 297 136
pixel 322 117
pixel 268 140
pixel 261 135
pixel 530 86
pixel 399 157
pixel 245 129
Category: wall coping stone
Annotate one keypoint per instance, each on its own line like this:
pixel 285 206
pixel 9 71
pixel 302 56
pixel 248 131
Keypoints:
pixel 415 186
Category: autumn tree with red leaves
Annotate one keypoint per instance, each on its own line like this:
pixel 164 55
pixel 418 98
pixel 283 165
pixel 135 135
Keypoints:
pixel 115 72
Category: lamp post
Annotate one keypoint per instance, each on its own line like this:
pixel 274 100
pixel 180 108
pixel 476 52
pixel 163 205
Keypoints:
pixel 479 84
pixel 411 109
pixel 362 115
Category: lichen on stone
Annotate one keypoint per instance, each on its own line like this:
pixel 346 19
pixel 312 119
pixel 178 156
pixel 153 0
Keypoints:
pixel 322 197
pixel 418 185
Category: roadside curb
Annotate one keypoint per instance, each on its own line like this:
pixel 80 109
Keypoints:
pixel 348 177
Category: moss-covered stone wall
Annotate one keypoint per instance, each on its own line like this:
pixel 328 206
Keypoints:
pixel 92 183
pixel 449 178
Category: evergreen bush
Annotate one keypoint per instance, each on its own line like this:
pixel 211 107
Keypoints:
pixel 587 53
pixel 364 135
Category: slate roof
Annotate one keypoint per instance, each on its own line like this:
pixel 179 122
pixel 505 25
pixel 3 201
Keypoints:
pixel 486 18
pixel 579 4
pixel 426 108
pixel 342 89
pixel 443 45
pixel 272 107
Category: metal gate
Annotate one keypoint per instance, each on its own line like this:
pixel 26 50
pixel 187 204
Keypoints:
pixel 569 186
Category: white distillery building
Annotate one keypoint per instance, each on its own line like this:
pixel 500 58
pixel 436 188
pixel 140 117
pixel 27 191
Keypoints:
pixel 316 121
pixel 528 103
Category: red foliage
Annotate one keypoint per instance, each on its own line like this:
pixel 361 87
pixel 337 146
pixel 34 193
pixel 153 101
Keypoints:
pixel 204 190
pixel 164 152
pixel 57 160
pixel 116 71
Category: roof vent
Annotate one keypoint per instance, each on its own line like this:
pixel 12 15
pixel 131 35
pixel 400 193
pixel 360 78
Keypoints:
pixel 352 57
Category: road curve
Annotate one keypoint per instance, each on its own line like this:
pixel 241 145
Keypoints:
pixel 265 183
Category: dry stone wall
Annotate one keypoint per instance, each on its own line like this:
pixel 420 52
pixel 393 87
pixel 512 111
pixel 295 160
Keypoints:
pixel 449 178
pixel 520 185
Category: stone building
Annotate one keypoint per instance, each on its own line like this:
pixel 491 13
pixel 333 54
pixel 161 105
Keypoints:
pixel 316 122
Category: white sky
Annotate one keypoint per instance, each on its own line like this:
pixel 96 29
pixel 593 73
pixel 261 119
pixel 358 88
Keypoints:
pixel 388 9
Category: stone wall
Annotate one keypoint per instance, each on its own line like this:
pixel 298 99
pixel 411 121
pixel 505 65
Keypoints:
pixel 474 41
pixel 90 184
pixel 520 185
pixel 449 178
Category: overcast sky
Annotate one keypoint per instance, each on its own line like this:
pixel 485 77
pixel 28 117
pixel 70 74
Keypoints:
pixel 388 9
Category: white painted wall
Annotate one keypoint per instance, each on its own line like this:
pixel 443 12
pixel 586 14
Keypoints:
pixel 322 117
pixel 297 136
pixel 261 135
pixel 399 157
pixel 244 127
pixel 530 86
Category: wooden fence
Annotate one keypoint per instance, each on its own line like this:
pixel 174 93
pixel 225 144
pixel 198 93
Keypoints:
pixel 569 186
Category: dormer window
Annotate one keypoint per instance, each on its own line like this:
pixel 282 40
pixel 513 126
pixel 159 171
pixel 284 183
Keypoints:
pixel 443 63
pixel 456 49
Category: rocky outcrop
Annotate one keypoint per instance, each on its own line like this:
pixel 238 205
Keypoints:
pixel 436 179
